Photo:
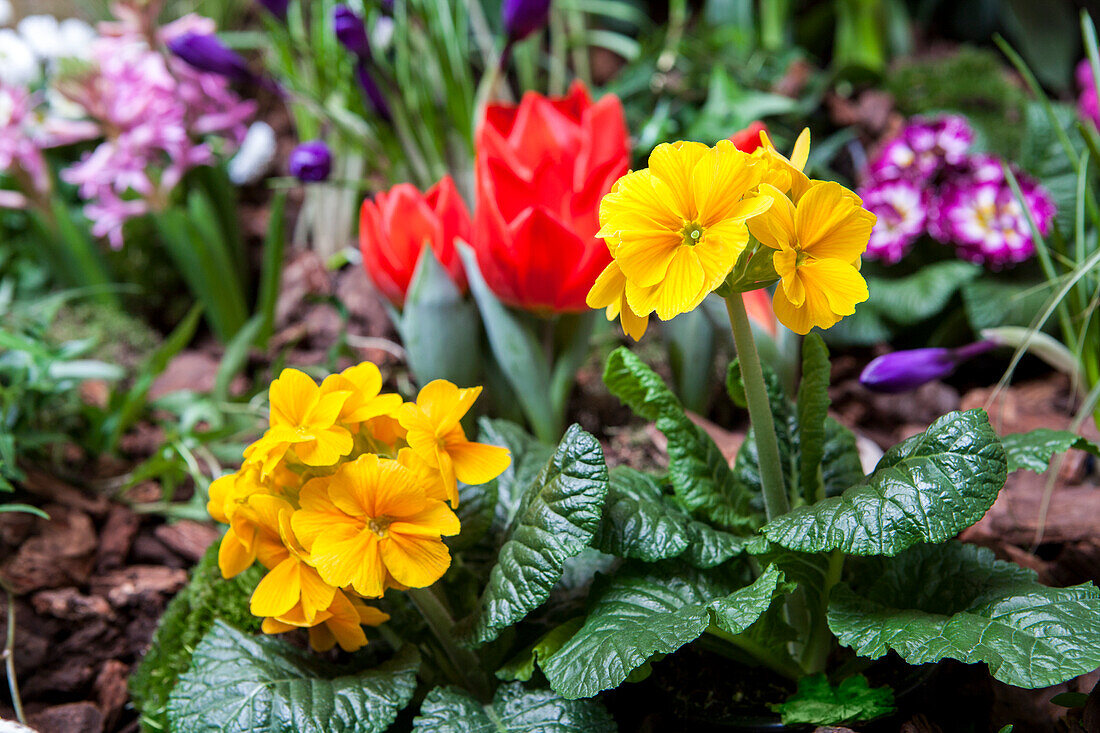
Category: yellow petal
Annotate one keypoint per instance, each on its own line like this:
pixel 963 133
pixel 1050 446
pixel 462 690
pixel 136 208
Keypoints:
pixel 275 626
pixel 840 283
pixel 477 463
pixel 233 557
pixel 645 256
pixel 718 252
pixel 328 446
pixel 775 226
pixel 633 325
pixel 278 591
pixel 414 561
pixel 345 557
pixel 292 396
pixel 721 179
pixel 801 152
pixel 432 521
pixel 673 164
pixel 829 224
pixel 680 290
pixel 608 288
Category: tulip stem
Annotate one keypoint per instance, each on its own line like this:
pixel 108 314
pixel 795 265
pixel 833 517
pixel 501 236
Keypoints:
pixel 439 620
pixel 760 411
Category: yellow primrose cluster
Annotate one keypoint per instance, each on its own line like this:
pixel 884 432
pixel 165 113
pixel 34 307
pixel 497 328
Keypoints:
pixel 676 229
pixel 346 495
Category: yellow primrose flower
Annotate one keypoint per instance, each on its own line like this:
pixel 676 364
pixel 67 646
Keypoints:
pixel 303 417
pixel 680 224
pixel 785 173
pixel 253 534
pixel 819 242
pixel 364 382
pixel 341 623
pixel 291 581
pixel 372 518
pixel 609 292
pixel 436 435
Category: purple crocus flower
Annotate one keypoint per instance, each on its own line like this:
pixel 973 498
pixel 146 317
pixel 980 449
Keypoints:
pixel 205 52
pixel 351 31
pixel 374 93
pixel 278 8
pixel 521 18
pixel 311 161
pixel 903 371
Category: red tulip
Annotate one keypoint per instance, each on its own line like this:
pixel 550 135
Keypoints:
pixel 542 168
pixel 748 140
pixel 395 226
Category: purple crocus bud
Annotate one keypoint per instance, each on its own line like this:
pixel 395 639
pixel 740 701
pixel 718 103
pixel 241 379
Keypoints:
pixel 903 371
pixel 521 18
pixel 277 8
pixel 311 161
pixel 206 53
pixel 351 31
pixel 374 93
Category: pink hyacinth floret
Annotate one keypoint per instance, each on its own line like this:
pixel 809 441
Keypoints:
pixel 159 117
pixel 901 211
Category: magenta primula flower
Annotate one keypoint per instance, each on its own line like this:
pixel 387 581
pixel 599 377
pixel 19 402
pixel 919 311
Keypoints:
pixel 987 224
pixel 901 210
pixel 922 148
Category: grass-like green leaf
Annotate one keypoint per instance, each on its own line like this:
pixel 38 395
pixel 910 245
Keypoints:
pixel 650 611
pixel 248 684
pixel 514 709
pixel 956 601
pixel 1032 451
pixel 558 515
pixel 927 488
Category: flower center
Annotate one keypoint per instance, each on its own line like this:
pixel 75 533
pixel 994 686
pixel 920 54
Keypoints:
pixel 800 257
pixel 692 234
pixel 380 525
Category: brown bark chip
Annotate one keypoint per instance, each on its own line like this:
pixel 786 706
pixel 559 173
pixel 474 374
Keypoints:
pixel 61 553
pixel 110 691
pixel 187 538
pixel 75 717
pixel 116 538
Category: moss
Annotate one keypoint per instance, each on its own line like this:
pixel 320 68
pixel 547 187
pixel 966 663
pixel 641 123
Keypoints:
pixel 972 81
pixel 186 620
pixel 120 337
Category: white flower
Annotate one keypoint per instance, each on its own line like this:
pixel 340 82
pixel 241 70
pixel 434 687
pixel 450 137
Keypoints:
pixel 42 34
pixel 18 65
pixel 381 35
pixel 51 40
pixel 6 12
pixel 256 155
pixel 76 38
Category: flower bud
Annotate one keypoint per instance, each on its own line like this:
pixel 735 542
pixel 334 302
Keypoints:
pixel 311 161
pixel 350 31
pixel 521 18
pixel 277 8
pixel 206 53
pixel 903 371
pixel 374 93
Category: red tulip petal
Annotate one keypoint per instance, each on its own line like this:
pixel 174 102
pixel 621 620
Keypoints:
pixel 548 251
pixel 606 139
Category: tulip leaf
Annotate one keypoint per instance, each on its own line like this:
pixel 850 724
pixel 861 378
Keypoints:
pixel 517 350
pixel 818 702
pixel 641 522
pixel 514 709
pixel 440 328
pixel 1032 451
pixel 243 683
pixel 927 488
pixel 957 601
pixel 558 515
pixel 700 475
pixel 813 408
pixel 648 611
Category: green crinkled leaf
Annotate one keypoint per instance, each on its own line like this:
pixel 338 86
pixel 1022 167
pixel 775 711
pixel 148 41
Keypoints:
pixel 699 473
pixel 813 408
pixel 1033 450
pixel 206 598
pixel 251 684
pixel 557 517
pixel 528 458
pixel 641 522
pixel 514 709
pixel 956 601
pixel 475 510
pixel 840 464
pixel 522 666
pixel 638 614
pixel 927 488
pixel 819 703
